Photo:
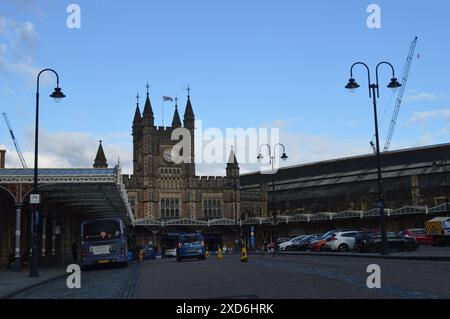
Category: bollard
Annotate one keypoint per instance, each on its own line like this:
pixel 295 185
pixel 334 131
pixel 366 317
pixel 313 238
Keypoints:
pixel 220 254
pixel 244 256
pixel 207 254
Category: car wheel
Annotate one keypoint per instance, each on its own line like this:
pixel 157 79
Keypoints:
pixel 343 248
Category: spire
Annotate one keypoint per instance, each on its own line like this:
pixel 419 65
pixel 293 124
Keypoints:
pixel 176 122
pixel 148 116
pixel 137 114
pixel 232 158
pixel 100 159
pixel 232 165
pixel 189 117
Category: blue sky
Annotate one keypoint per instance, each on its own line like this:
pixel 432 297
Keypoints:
pixel 249 63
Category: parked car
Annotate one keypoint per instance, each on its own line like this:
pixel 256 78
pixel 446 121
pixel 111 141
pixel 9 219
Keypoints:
pixel 319 243
pixel 284 239
pixel 285 244
pixel 191 246
pixel 420 235
pixel 303 244
pixel 371 242
pixel 341 241
pixel 170 252
pixel 149 252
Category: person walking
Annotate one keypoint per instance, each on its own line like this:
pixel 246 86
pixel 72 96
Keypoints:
pixel 75 252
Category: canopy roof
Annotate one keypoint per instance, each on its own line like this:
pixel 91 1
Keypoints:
pixel 97 193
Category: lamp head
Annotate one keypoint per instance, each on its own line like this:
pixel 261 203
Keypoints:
pixel 352 85
pixel 260 157
pixel 57 95
pixel 394 85
pixel 284 157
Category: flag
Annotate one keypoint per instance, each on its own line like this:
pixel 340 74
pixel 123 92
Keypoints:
pixel 167 98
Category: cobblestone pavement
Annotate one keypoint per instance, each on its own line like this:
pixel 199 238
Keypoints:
pixel 108 283
pixel 293 277
pixel 263 277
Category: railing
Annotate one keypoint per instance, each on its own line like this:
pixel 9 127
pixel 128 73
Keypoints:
pixel 323 216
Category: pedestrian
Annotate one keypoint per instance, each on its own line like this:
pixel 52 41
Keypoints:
pixel 276 247
pixel 75 251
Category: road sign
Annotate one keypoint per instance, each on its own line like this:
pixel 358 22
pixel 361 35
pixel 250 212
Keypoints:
pixel 35 199
pixel 252 236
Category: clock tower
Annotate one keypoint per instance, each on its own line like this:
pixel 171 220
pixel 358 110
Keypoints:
pixel 160 181
pixel 162 189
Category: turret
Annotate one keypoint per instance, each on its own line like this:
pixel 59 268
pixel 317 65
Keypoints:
pixel 148 117
pixel 137 121
pixel 189 117
pixel 232 165
pixel 100 159
pixel 176 122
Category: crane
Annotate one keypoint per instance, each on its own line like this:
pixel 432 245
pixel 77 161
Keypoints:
pixel 16 144
pixel 406 70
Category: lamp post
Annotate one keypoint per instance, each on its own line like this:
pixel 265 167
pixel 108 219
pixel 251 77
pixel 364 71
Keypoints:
pixel 447 205
pixel 35 199
pixel 272 158
pixel 374 93
pixel 235 186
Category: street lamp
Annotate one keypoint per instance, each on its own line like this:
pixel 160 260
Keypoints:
pixel 272 158
pixel 35 199
pixel 374 93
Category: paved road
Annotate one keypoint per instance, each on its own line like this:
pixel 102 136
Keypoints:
pixel 263 277
pixel 113 283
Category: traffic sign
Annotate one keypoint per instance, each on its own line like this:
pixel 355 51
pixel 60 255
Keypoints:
pixel 35 199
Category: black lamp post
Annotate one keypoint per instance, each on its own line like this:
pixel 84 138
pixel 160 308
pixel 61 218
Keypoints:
pixel 447 205
pixel 272 157
pixel 57 95
pixel 374 93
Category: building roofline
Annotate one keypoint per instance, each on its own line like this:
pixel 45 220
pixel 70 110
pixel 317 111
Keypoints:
pixel 354 157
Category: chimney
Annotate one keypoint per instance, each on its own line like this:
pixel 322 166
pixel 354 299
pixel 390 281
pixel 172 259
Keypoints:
pixel 2 158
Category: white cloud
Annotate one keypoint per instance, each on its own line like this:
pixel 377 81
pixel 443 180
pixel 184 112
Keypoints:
pixel 439 114
pixel 18 41
pixel 72 150
pixel 420 97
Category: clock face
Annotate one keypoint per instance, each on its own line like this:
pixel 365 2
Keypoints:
pixel 167 155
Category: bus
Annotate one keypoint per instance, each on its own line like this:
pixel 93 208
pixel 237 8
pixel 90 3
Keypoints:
pixel 103 242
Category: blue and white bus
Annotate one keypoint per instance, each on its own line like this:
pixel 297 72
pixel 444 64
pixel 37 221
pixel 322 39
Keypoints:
pixel 103 242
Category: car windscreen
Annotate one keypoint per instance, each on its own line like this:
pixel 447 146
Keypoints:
pixel 418 232
pixel 101 230
pixel 190 239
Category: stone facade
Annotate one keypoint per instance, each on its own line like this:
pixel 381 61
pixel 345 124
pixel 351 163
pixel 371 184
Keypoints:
pixel 160 189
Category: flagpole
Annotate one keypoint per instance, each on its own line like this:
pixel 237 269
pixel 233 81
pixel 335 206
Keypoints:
pixel 162 108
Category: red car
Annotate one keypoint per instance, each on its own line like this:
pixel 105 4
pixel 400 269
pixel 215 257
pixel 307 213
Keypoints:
pixel 419 235
pixel 318 245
